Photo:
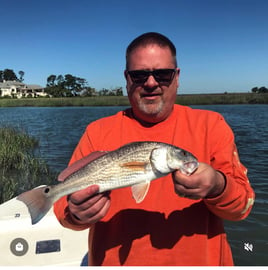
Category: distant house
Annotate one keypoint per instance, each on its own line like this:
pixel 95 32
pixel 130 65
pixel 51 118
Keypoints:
pixel 17 89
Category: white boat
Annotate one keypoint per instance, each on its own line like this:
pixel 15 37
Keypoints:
pixel 46 243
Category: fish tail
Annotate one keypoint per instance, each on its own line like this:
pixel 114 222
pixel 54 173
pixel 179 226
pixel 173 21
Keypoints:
pixel 37 201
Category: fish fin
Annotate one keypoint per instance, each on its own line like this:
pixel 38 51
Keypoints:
pixel 139 191
pixel 135 165
pixel 37 201
pixel 77 165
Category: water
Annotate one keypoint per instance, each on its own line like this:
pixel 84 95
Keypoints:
pixel 59 129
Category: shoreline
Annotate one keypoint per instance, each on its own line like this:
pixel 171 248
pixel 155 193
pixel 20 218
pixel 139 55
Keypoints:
pixel 183 99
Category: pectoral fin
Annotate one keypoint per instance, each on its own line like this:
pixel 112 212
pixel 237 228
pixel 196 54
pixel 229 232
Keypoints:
pixel 139 191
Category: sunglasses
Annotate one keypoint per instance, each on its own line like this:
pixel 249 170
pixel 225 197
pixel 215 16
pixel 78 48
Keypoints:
pixel 164 75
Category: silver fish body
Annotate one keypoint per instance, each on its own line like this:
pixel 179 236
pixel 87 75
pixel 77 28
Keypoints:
pixel 134 164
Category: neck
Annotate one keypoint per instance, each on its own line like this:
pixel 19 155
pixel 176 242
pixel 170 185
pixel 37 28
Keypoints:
pixel 149 121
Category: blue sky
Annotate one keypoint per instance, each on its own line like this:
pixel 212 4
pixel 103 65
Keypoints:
pixel 222 45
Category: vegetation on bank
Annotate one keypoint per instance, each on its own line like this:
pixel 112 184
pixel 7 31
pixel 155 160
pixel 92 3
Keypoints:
pixel 226 98
pixel 62 85
pixel 191 99
pixel 66 101
pixel 21 168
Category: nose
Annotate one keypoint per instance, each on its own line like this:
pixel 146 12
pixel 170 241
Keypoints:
pixel 151 82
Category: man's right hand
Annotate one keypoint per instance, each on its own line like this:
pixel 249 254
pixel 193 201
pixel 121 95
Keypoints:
pixel 87 206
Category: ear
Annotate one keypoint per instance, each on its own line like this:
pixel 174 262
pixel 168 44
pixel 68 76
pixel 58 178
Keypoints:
pixel 125 73
pixel 177 77
pixel 178 72
pixel 127 81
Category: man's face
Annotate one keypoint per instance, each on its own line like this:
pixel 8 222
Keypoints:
pixel 152 102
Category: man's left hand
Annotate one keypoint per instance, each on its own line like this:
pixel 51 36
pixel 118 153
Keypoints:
pixel 205 182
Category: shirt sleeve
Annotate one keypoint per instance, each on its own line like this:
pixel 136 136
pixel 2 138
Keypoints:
pixel 236 201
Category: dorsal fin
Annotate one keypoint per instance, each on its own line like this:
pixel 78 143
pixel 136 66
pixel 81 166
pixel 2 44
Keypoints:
pixel 77 165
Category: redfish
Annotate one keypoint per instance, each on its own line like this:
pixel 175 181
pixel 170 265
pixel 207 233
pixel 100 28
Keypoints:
pixel 135 164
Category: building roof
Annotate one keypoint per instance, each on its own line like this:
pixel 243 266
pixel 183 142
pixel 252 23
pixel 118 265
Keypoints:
pixel 9 84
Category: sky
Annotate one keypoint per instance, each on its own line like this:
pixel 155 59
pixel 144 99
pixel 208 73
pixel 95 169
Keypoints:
pixel 222 45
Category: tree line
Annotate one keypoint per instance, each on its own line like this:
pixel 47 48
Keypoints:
pixel 262 89
pixel 10 75
pixel 63 85
pixel 66 86
pixel 69 86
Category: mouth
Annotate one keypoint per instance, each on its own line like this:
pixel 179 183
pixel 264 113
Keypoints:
pixel 150 96
pixel 189 167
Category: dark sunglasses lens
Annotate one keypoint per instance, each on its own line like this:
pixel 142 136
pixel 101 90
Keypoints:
pixel 164 75
pixel 139 76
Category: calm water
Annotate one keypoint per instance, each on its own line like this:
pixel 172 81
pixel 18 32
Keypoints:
pixel 59 129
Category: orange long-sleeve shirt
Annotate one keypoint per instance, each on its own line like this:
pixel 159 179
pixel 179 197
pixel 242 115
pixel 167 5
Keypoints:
pixel 166 229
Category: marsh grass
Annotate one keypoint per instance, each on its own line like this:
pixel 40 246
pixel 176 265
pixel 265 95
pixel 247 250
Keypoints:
pixel 191 99
pixel 20 167
pixel 68 101
pixel 228 98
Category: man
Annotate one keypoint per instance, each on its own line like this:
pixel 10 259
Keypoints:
pixel 180 220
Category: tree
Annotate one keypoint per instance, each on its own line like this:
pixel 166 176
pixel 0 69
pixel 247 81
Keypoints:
pixel 55 86
pixel 1 75
pixel 51 80
pixel 81 83
pixel 9 75
pixel 255 89
pixel 70 82
pixel 60 81
pixel 262 89
pixel 73 83
pixel 112 92
pixel 88 92
pixel 64 86
pixel 69 85
pixel 21 73
pixel 119 91
pixel 104 92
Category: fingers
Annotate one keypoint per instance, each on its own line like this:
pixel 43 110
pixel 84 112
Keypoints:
pixel 186 181
pixel 88 206
pixel 92 214
pixel 198 185
pixel 83 195
pixel 187 192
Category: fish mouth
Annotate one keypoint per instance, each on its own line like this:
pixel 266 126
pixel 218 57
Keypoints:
pixel 189 167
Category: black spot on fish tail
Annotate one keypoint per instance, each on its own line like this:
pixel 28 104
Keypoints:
pixel 37 201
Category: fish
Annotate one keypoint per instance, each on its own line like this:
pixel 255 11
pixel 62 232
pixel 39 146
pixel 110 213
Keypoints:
pixel 134 164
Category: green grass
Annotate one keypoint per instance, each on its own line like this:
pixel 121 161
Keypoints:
pixel 20 168
pixel 232 98
pixel 68 101
pixel 191 99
